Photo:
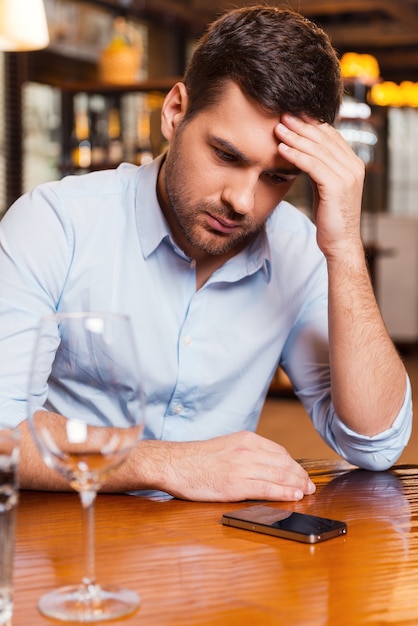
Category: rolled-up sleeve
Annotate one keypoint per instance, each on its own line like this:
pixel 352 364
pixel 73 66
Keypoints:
pixel 380 451
pixel 306 360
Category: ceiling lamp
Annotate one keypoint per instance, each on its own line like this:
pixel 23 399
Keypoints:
pixel 23 25
pixel 361 67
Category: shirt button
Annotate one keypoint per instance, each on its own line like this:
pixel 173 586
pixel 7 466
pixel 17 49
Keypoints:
pixel 187 341
pixel 178 408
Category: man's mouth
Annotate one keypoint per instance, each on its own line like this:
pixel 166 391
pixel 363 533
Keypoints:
pixel 221 224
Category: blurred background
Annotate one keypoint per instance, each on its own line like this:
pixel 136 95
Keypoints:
pixel 83 82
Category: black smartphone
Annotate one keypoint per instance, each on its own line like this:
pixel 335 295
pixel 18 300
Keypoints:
pixel 286 524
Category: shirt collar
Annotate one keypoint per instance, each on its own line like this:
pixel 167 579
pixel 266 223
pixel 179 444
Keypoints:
pixel 256 256
pixel 151 223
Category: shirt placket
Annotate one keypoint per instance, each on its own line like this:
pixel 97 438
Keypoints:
pixel 182 406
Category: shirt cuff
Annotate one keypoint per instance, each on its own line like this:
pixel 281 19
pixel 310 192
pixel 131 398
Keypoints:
pixel 381 451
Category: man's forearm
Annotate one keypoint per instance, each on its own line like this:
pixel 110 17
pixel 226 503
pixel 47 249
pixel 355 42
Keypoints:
pixel 33 472
pixel 229 468
pixel 368 376
pixel 131 476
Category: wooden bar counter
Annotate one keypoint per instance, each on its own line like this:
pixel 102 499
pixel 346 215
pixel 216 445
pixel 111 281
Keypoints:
pixel 191 570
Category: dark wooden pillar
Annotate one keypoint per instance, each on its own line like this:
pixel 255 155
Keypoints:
pixel 14 77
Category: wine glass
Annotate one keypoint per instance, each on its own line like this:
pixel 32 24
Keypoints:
pixel 86 412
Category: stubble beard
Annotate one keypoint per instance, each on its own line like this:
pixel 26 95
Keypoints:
pixel 190 217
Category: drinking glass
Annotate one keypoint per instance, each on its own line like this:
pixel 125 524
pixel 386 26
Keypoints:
pixel 9 459
pixel 86 419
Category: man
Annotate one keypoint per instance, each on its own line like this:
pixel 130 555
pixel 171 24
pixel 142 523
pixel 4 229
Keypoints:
pixel 223 280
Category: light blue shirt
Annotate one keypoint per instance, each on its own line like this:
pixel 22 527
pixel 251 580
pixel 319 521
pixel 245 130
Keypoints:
pixel 100 242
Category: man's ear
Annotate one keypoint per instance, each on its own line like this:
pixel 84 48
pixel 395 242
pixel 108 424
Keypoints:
pixel 174 108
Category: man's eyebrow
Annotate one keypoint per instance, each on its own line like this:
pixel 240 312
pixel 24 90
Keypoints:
pixel 228 147
pixel 223 143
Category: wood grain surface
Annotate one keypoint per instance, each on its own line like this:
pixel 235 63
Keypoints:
pixel 190 570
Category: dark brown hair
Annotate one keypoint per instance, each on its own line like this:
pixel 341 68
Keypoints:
pixel 278 58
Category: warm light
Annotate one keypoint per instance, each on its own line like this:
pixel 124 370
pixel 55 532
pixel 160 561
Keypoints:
pixel 23 25
pixel 411 93
pixel 384 94
pixel 389 93
pixel 363 67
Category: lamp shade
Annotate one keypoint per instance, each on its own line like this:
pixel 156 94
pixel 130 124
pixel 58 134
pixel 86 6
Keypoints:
pixel 363 67
pixel 23 25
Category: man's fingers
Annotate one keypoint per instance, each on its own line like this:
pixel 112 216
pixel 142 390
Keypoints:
pixel 239 466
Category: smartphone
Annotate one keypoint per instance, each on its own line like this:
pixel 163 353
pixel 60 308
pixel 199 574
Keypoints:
pixel 286 524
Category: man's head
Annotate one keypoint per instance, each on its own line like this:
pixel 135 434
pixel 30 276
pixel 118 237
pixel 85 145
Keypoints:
pixel 277 57
pixel 223 174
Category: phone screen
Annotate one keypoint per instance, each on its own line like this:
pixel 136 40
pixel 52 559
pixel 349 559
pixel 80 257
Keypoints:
pixel 286 524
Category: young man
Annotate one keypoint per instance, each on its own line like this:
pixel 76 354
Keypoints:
pixel 223 280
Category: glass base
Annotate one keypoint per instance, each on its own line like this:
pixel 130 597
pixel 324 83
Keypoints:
pixel 6 605
pixel 88 604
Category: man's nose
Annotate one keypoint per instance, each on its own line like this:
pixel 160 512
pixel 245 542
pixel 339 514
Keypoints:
pixel 239 192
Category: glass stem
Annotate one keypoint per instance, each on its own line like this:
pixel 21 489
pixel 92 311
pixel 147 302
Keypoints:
pixel 87 503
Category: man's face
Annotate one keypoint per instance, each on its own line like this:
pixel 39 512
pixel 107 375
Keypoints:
pixel 223 176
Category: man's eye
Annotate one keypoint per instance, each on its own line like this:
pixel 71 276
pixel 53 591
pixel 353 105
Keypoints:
pixel 225 156
pixel 276 179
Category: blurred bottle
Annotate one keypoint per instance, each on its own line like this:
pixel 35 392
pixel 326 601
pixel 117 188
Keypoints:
pixel 143 150
pixel 120 61
pixel 99 138
pixel 80 138
pixel 114 132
